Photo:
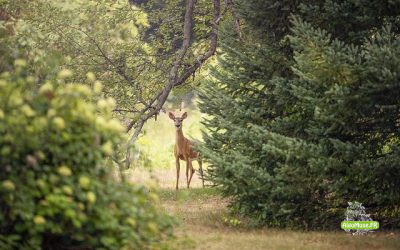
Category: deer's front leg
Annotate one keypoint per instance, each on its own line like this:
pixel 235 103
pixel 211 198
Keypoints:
pixel 178 167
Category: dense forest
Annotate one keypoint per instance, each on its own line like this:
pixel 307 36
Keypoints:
pixel 297 103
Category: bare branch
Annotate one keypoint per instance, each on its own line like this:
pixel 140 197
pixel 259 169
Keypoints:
pixel 126 110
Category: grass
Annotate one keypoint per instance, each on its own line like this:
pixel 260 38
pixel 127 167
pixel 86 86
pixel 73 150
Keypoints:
pixel 205 223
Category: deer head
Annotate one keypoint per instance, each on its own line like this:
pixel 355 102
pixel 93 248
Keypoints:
pixel 178 120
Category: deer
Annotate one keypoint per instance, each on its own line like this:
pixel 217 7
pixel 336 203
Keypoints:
pixel 183 150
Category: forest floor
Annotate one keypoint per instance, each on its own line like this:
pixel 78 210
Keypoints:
pixel 205 223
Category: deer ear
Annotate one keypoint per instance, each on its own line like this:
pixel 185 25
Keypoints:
pixel 171 115
pixel 184 116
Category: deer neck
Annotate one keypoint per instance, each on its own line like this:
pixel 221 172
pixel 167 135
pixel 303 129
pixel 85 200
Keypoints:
pixel 180 139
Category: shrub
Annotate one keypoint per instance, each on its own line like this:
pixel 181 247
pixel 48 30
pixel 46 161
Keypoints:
pixel 56 187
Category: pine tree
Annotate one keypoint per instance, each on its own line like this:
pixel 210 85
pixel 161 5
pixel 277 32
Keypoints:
pixel 305 111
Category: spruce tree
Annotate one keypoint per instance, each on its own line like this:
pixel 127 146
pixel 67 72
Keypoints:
pixel 305 111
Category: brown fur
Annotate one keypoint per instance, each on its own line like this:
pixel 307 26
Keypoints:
pixel 183 151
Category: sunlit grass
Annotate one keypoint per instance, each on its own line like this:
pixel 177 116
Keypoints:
pixel 191 194
pixel 202 214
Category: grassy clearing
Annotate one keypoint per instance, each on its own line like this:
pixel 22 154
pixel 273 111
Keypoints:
pixel 205 224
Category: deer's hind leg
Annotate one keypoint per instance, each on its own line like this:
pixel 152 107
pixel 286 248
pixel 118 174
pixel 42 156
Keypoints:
pixel 201 169
pixel 191 172
pixel 187 171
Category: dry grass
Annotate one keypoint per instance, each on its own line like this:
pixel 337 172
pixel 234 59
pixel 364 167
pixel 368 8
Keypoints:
pixel 202 214
pixel 165 178
pixel 202 226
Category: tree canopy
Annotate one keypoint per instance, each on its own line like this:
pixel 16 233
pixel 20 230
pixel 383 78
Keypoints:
pixel 140 50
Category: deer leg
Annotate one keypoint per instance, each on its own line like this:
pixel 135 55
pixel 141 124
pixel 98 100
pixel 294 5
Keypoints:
pixel 191 172
pixel 187 171
pixel 188 166
pixel 201 170
pixel 178 167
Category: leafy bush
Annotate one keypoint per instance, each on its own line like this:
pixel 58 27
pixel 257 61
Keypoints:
pixel 55 186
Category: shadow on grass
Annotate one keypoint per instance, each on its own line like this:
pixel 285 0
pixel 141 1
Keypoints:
pixel 189 194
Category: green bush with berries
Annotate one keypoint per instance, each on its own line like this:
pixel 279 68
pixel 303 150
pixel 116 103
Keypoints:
pixel 57 189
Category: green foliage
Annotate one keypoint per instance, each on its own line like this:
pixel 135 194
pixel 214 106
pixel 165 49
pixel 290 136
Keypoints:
pixel 129 45
pixel 57 188
pixel 305 120
pixel 101 37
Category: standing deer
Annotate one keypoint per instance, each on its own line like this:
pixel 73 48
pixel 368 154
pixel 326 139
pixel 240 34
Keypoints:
pixel 183 151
